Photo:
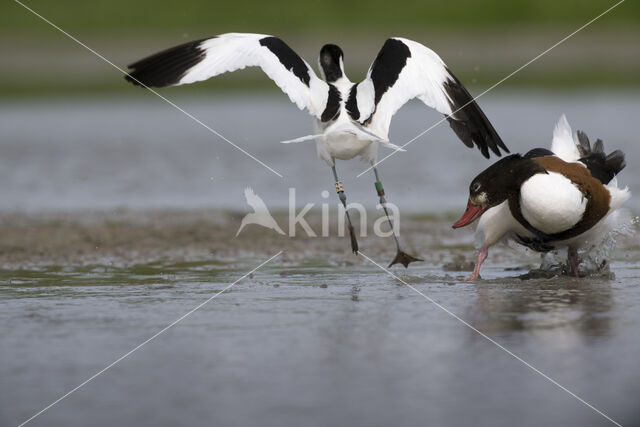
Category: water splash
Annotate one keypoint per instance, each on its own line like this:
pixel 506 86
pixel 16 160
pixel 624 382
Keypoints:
pixel 593 260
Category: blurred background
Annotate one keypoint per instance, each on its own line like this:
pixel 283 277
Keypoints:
pixel 74 134
pixel 482 41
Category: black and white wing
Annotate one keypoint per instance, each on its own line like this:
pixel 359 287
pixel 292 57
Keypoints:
pixel 404 70
pixel 202 59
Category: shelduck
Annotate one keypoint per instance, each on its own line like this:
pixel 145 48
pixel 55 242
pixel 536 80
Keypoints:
pixel 545 199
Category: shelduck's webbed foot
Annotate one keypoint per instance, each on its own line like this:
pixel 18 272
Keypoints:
pixel 472 277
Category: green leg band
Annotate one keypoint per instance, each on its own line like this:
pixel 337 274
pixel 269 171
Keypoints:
pixel 379 188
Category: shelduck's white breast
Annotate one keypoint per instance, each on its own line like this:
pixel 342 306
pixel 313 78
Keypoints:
pixel 551 202
pixel 496 223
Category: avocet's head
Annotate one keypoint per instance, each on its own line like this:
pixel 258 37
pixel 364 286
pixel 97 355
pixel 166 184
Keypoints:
pixel 496 184
pixel 331 62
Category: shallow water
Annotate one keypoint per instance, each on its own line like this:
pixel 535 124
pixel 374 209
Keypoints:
pixel 316 337
pixel 316 345
pixel 142 153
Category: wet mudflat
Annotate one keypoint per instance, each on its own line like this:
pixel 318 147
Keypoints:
pixel 317 336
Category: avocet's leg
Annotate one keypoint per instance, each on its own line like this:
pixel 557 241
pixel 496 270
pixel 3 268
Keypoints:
pixel 343 199
pixel 482 255
pixel 572 260
pixel 401 256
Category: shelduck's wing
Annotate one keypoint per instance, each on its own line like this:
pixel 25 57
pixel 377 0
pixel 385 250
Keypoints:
pixel 602 166
pixel 577 148
pixel 404 70
pixel 563 144
pixel 202 59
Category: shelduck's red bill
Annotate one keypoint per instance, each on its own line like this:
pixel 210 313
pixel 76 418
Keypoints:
pixel 471 214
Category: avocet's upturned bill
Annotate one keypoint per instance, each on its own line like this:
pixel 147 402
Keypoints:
pixel 350 119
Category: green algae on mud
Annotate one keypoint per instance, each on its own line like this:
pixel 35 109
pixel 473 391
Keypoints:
pixel 106 248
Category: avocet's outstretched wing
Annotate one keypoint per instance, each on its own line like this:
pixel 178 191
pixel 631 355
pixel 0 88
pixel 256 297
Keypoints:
pixel 404 70
pixel 202 59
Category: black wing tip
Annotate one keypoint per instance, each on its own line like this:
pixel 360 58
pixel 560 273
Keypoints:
pixel 584 147
pixel 503 146
pixel 616 161
pixel 469 137
pixel 602 166
pixel 166 67
pixel 133 80
pixel 469 121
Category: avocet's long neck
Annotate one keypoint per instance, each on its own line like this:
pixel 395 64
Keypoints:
pixel 331 63
pixel 343 84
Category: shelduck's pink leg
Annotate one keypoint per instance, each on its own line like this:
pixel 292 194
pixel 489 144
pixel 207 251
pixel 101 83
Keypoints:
pixel 572 259
pixel 482 255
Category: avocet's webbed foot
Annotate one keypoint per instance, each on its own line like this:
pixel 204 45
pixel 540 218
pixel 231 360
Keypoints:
pixel 404 259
